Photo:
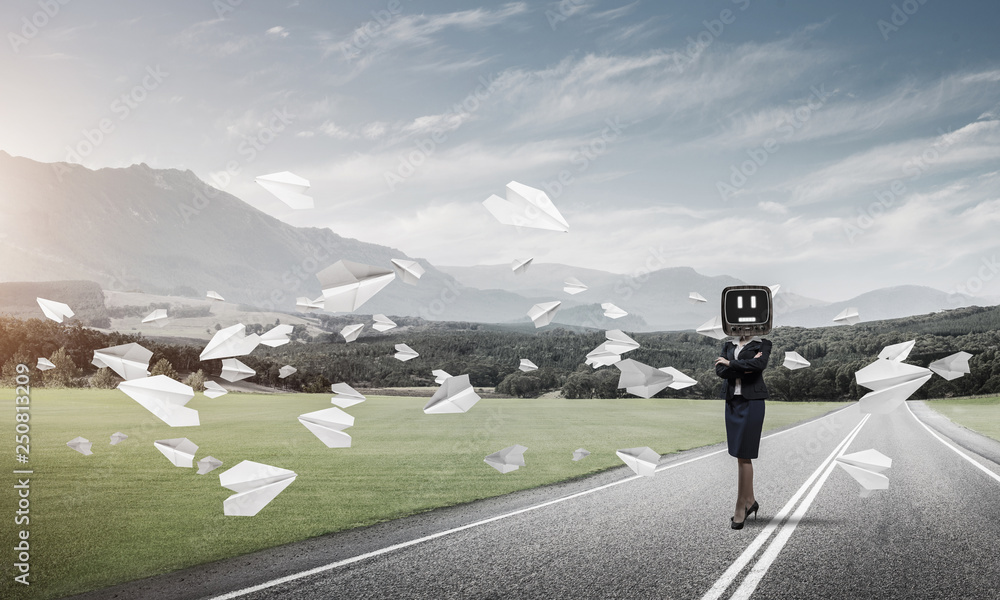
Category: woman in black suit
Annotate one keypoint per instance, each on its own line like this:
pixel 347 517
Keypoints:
pixel 741 368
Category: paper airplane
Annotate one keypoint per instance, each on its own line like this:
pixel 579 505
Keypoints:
pixel 580 453
pixel 347 285
pixel 695 297
pixel 794 360
pixel 866 468
pixel 680 380
pixel 229 342
pixel 117 438
pixel 208 464
pixel 949 367
pixel 158 317
pixel 572 285
pixel 897 352
pixel 641 379
pixel 542 314
pixel 306 303
pixel 287 187
pixel 526 365
pixel 713 329
pixel 285 371
pixel 507 460
pixel 848 315
pixel 774 289
pixel 214 390
pixel 346 395
pixel 526 207
pixel 602 356
pixel 612 312
pixel 409 271
pixel 130 361
pixel 382 323
pixel 81 445
pixel 214 296
pixel 57 311
pixel 164 397
pixel 276 336
pixel 641 460
pixel 351 332
pixel 179 451
pixel 44 364
pixel 328 425
pixel 404 352
pixel 440 375
pixel 256 485
pixel 618 342
pixel 520 265
pixel 454 396
pixel 892 383
pixel 234 370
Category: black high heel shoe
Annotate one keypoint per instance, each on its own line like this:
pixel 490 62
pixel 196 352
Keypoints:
pixel 752 509
pixel 735 525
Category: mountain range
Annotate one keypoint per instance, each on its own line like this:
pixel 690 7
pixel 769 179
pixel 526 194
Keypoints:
pixel 165 231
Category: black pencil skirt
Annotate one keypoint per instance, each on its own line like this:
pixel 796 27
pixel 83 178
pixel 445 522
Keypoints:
pixel 744 422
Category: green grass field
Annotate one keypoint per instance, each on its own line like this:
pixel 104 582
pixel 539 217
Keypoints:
pixel 978 414
pixel 126 512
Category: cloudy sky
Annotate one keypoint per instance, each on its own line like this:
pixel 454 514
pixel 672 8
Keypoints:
pixel 832 147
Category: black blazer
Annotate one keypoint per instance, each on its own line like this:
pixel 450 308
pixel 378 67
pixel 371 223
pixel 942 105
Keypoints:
pixel 752 384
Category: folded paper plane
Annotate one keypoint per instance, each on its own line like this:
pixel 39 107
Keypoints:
pixel 794 360
pixel 507 460
pixel 891 383
pixel 179 451
pixel 208 464
pixel 520 265
pixel 405 353
pixel 276 336
pixel 602 357
pixel 81 445
pixel 285 371
pixel 526 207
pixel 640 379
pixel 774 289
pixel 287 187
pixel 346 395
pixel 526 365
pixel 580 453
pixel 409 271
pixel 164 397
pixel 613 312
pixel 949 367
pixel 307 304
pixel 347 285
pixel 328 425
pixel 542 314
pixel 440 375
pixel 455 395
pixel 641 460
pixel 213 295
pixel 618 342
pixel 713 329
pixel 255 484
pixel 158 317
pixel 382 323
pixel 117 438
pixel 351 332
pixel 866 468
pixel 695 298
pixel 680 380
pixel 848 315
pixel 229 342
pixel 572 285
pixel 57 311
pixel 44 364
pixel 234 370
pixel 897 352
pixel 129 361
pixel 214 390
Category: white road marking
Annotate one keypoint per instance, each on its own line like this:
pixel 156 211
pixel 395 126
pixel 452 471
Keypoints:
pixel 354 559
pixel 957 451
pixel 727 578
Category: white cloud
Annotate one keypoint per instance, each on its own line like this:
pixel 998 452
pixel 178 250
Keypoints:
pixel 277 32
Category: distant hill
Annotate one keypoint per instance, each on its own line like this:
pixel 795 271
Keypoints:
pixel 878 305
pixel 85 298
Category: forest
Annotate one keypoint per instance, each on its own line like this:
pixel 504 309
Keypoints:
pixel 490 355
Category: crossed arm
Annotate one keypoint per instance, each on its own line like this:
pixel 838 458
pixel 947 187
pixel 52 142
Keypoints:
pixel 729 369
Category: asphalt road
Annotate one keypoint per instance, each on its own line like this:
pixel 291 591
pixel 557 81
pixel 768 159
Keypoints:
pixel 935 533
